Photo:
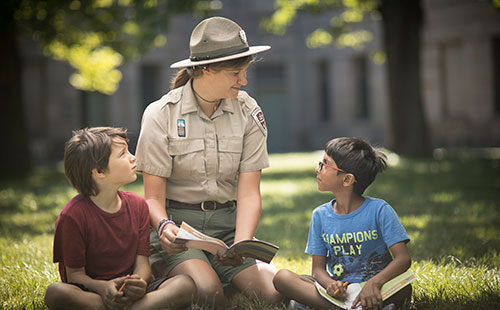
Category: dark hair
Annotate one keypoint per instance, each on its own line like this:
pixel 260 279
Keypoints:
pixel 183 75
pixel 89 149
pixel 358 157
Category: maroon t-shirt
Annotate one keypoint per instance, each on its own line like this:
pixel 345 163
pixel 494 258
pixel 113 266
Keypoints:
pixel 105 244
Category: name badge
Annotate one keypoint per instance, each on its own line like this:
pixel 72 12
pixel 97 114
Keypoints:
pixel 181 128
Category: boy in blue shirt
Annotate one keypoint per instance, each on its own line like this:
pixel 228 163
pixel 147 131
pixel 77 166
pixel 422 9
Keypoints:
pixel 351 238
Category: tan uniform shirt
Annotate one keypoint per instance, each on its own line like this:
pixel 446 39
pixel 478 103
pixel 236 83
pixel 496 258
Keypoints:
pixel 201 157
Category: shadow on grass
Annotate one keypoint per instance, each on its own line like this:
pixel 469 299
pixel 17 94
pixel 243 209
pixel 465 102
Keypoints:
pixel 29 206
pixel 23 195
pixel 461 238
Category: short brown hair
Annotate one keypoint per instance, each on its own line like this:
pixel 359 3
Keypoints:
pixel 89 149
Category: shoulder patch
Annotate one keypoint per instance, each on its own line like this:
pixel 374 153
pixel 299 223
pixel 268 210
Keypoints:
pixel 258 116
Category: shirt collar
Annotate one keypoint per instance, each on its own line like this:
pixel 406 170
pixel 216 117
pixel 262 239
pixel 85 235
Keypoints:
pixel 189 104
pixel 226 105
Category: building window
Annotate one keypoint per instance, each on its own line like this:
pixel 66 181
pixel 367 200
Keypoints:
pixel 150 81
pixel 323 91
pixel 270 94
pixel 361 90
pixel 496 74
pixel 94 109
pixel 451 79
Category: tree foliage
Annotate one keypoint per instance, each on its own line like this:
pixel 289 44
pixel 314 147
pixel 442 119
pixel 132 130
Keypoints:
pixel 343 29
pixel 96 36
pixel 401 24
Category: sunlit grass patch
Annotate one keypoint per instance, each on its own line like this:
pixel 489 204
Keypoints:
pixel 300 264
pixel 26 269
pixel 288 187
pixel 452 284
pixel 294 161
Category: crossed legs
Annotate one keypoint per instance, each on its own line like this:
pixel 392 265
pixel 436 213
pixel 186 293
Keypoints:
pixel 303 290
pixel 174 293
pixel 299 288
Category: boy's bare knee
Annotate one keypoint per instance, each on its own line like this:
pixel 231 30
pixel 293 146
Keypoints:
pixel 53 294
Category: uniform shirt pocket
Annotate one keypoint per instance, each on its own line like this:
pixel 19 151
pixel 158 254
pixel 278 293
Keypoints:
pixel 187 159
pixel 230 149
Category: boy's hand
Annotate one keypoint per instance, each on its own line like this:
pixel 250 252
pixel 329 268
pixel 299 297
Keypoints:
pixel 135 287
pixel 369 297
pixel 337 289
pixel 111 298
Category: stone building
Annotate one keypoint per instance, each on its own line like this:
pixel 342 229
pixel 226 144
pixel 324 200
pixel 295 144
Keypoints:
pixel 308 95
pixel 461 72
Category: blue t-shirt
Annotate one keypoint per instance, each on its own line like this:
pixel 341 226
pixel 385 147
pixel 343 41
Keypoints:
pixel 356 245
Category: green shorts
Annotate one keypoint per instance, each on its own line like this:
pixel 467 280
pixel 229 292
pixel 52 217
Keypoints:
pixel 219 224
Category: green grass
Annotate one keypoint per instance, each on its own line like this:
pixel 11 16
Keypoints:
pixel 449 207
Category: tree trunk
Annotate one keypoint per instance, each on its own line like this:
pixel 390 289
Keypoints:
pixel 402 20
pixel 15 156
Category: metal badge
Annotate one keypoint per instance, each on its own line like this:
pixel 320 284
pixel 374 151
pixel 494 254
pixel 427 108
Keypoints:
pixel 243 36
pixel 181 128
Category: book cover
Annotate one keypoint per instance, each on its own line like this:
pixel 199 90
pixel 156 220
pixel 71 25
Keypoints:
pixel 254 248
pixel 387 290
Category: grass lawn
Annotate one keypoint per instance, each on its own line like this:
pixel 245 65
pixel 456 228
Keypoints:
pixel 449 207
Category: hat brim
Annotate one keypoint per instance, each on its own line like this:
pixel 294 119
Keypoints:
pixel 188 63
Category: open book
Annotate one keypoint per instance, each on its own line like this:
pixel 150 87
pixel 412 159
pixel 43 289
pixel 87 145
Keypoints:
pixel 257 249
pixel 387 290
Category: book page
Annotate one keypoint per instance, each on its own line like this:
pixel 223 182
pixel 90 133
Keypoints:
pixel 193 238
pixel 387 290
pixel 204 245
pixel 333 300
pixel 353 292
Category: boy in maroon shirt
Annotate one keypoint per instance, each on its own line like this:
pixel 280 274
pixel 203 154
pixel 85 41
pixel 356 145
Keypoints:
pixel 101 241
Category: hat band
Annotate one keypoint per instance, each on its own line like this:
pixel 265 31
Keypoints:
pixel 202 58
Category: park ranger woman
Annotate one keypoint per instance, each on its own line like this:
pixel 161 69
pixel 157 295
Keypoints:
pixel 201 150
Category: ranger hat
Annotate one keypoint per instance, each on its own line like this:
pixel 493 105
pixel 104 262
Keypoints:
pixel 217 39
